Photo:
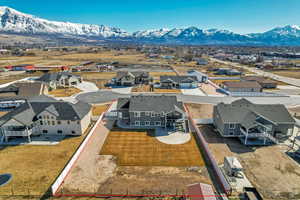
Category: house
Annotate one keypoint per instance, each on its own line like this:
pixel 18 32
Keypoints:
pixel 173 82
pixel 201 61
pixel 124 78
pixel 45 116
pixel 201 77
pixel 264 83
pixel 104 67
pixel 22 89
pixel 152 112
pixel 241 86
pixel 227 71
pixel 253 124
pixel 60 79
pixel 22 67
pixel 201 191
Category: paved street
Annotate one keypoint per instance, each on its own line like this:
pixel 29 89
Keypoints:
pixel 103 96
pixel 291 81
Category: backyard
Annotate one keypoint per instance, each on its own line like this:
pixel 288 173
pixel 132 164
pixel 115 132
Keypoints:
pixel 141 148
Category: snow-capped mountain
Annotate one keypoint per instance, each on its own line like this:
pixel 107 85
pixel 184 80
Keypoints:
pixel 15 21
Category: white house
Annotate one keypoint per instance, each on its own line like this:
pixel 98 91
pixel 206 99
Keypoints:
pixel 45 116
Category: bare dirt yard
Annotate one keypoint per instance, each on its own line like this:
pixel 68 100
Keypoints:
pixel 288 73
pixel 158 90
pixel 199 111
pixel 269 169
pixel 295 111
pixel 209 89
pixel 141 88
pixel 99 109
pixel 64 92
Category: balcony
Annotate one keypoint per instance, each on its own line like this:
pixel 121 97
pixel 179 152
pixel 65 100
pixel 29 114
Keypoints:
pixel 16 133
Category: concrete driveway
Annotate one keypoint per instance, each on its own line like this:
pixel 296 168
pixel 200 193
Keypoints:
pixel 193 91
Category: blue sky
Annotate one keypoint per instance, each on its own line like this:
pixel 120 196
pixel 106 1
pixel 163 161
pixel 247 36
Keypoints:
pixel 241 16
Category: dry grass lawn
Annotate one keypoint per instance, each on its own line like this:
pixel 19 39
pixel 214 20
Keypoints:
pixel 96 75
pixel 140 148
pixel 158 74
pixel 35 167
pixel 64 92
pixel 199 111
pixel 99 109
pixel 141 88
pixel 157 90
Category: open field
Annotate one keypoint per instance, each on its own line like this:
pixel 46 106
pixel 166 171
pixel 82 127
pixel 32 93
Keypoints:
pixel 269 169
pixel 288 73
pixel 157 90
pixel 140 148
pixel 64 92
pixel 34 168
pixel 96 75
pixel 99 109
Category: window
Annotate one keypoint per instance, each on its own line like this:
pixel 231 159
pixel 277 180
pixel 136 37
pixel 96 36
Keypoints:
pixel 53 123
pixel 152 114
pixel 58 122
pixel 45 131
pixel 157 123
pixel 136 114
pixel 231 126
pixel 142 123
pixel 78 122
pixel 231 133
pixel 47 117
pixel 147 113
pixel 147 123
pixel 157 114
pixel 40 117
pixel 48 123
pixel 137 123
pixel 59 131
pixel 73 132
pixel 41 122
pixel 52 117
pixel 68 122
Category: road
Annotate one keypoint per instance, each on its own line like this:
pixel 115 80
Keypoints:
pixel 103 96
pixel 290 81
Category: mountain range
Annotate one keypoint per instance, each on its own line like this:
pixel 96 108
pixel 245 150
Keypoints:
pixel 13 21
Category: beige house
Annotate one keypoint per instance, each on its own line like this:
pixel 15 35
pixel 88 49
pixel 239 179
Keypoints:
pixel 45 116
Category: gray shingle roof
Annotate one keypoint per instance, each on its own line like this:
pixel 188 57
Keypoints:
pixel 26 112
pixel 48 77
pixel 242 84
pixel 155 103
pixel 238 111
pixel 178 79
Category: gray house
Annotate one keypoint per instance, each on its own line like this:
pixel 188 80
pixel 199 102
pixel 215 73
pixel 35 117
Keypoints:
pixel 45 116
pixel 253 124
pixel 60 79
pixel 174 82
pixel 147 111
pixel 124 78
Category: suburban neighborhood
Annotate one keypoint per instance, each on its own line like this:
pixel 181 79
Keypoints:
pixel 95 112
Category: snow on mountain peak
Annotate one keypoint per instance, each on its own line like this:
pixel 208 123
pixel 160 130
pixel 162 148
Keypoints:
pixel 15 21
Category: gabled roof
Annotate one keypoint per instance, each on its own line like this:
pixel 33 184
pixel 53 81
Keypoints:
pixel 155 103
pixel 27 111
pixel 122 74
pixel 242 110
pixel 48 77
pixel 178 79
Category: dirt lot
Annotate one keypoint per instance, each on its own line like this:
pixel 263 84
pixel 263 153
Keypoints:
pixel 10 78
pixel 200 110
pixel 157 90
pixel 156 75
pixel 295 111
pixel 288 73
pixel 140 148
pixel 34 168
pixel 99 109
pixel 64 92
pixel 271 171
pixel 209 89
pixel 141 88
